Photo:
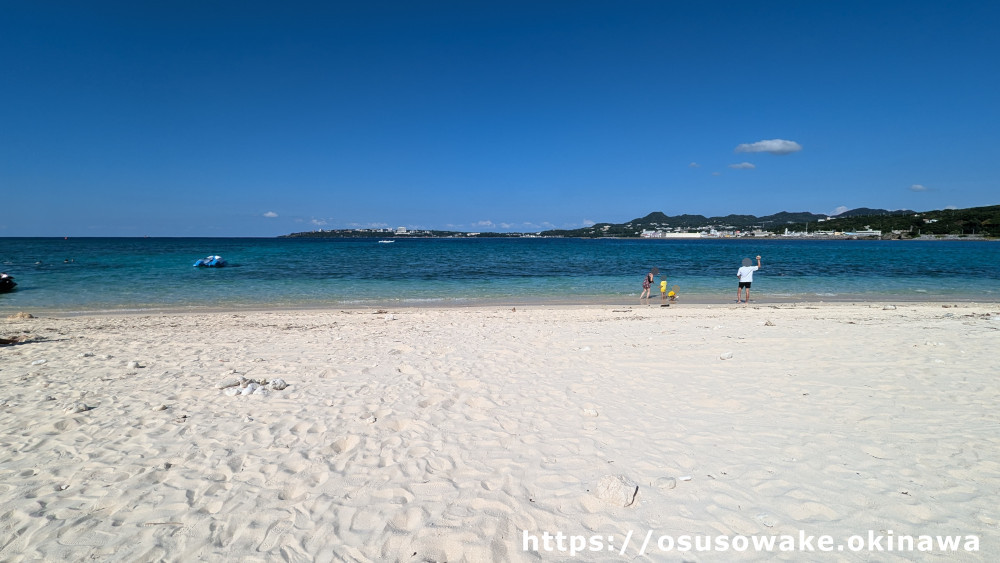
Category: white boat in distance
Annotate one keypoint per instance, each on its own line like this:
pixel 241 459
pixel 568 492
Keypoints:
pixel 386 241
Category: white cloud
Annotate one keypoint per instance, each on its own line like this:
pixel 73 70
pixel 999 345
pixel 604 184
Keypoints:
pixel 840 209
pixel 589 223
pixel 486 223
pixel 716 173
pixel 694 165
pixel 918 188
pixel 270 214
pixel 951 207
pixel 318 222
pixel 506 225
pixel 742 166
pixel 773 146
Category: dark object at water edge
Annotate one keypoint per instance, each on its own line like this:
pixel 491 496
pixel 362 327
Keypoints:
pixel 7 284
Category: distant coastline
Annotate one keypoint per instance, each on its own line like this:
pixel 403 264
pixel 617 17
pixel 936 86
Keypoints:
pixel 974 223
pixel 432 235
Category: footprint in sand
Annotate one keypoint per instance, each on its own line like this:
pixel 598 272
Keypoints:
pixel 294 491
pixel 346 444
pixel 812 511
pixel 408 520
pixel 407 369
pixel 440 464
pixel 393 495
pixel 83 533
pixel 273 535
pixel 430 401
pixel 665 483
pixel 212 507
pixel 399 424
pixel 492 508
pixel 235 463
pixel 367 520
pixel 480 403
pixel 64 425
pixel 432 489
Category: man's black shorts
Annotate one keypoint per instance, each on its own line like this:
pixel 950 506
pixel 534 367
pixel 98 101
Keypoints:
pixel 745 284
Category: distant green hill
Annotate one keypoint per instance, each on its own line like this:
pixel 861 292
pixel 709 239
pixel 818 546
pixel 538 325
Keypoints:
pixel 866 212
pixel 983 221
pixel 661 221
pixel 976 220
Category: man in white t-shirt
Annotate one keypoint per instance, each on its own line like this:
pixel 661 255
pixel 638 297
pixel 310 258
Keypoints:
pixel 746 277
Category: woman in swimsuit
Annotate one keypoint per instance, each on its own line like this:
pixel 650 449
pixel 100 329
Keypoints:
pixel 646 284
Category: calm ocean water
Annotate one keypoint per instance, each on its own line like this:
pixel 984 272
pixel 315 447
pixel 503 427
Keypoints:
pixel 114 274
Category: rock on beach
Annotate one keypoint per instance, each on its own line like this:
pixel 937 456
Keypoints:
pixel 619 490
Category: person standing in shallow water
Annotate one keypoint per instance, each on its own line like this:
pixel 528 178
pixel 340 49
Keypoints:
pixel 646 284
pixel 745 274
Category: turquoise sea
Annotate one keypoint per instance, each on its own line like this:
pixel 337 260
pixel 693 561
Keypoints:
pixel 121 274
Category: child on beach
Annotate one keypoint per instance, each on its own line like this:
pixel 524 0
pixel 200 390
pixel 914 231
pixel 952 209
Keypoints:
pixel 663 292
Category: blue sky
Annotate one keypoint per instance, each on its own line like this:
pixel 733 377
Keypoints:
pixel 258 119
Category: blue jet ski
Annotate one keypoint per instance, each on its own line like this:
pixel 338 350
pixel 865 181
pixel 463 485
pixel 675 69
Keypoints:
pixel 210 262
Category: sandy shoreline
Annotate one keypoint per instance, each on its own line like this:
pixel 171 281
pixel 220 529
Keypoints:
pixel 433 434
pixel 688 300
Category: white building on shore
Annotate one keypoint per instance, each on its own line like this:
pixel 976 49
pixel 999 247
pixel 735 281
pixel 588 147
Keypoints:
pixel 664 234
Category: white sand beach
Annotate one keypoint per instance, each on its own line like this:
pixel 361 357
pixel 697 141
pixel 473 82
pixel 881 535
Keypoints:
pixel 449 434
